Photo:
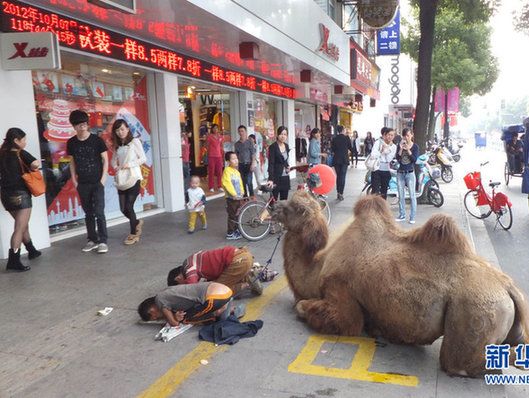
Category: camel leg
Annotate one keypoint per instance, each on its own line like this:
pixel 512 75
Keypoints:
pixel 469 326
pixel 329 317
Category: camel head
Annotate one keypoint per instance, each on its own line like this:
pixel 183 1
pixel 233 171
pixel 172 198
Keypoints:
pixel 301 215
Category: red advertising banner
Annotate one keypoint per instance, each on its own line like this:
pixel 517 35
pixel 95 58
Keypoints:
pixel 453 100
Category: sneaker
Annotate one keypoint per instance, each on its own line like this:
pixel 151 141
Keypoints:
pixel 102 248
pixel 90 246
pixel 400 219
pixel 237 235
pixel 412 221
pixel 211 190
pixel 231 236
pixel 131 239
pixel 221 190
pixel 205 226
pixel 190 231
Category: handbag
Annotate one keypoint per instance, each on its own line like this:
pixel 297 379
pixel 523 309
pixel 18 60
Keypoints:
pixel 372 162
pixel 124 178
pixel 32 178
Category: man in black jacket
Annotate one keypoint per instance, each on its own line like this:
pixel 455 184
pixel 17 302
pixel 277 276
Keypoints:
pixel 341 146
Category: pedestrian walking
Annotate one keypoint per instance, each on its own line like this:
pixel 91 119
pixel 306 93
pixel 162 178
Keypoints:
pixel 341 147
pixel 15 195
pixel 89 168
pixel 127 160
pixel 278 165
pixel 245 150
pixel 196 200
pixel 355 144
pixel 214 144
pixel 385 150
pixel 315 154
pixel 368 144
pixel 234 192
pixel 407 155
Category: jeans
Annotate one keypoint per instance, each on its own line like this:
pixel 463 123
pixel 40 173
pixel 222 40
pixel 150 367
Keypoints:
pixel 247 178
pixel 406 180
pixel 93 202
pixel 380 182
pixel 126 205
pixel 341 173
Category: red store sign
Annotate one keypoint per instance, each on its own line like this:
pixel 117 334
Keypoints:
pixel 361 69
pixel 19 17
pixel 329 49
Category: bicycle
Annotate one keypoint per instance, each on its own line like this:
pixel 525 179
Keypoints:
pixel 255 217
pixel 480 204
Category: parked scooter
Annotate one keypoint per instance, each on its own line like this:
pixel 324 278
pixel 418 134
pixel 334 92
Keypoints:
pixel 442 157
pixel 426 190
pixel 455 151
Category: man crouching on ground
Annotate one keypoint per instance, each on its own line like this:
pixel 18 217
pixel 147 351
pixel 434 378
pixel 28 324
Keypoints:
pixel 227 265
pixel 197 303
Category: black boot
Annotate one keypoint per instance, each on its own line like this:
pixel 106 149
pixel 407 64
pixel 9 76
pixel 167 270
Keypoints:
pixel 32 251
pixel 14 264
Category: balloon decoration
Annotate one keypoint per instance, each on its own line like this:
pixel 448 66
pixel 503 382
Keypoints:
pixel 327 177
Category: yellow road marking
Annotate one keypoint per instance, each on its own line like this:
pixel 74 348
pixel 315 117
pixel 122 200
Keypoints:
pixel 360 364
pixel 167 384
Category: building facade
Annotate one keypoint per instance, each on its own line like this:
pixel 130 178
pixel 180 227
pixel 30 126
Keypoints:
pixel 172 67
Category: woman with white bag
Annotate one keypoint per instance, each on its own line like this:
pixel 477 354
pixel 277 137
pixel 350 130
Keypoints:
pixel 126 161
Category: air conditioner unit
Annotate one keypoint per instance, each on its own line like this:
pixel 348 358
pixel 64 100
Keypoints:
pixel 125 6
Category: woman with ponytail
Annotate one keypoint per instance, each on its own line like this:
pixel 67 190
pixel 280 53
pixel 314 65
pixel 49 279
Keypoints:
pixel 15 196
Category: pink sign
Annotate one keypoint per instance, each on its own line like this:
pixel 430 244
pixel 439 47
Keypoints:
pixel 453 100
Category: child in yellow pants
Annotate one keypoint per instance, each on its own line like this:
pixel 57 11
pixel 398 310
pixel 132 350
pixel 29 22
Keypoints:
pixel 195 204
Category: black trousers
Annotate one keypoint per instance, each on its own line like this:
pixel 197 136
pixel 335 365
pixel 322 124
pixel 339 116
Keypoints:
pixel 126 205
pixel 380 182
pixel 93 202
pixel 341 174
pixel 247 178
pixel 281 189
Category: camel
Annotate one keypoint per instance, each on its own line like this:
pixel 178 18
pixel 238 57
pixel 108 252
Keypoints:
pixel 407 286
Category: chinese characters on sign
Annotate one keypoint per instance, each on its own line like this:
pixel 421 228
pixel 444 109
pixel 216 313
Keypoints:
pixel 388 39
pixel 497 356
pixel 18 17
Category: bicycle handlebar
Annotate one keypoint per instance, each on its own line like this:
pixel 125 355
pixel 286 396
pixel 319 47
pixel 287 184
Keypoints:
pixel 484 164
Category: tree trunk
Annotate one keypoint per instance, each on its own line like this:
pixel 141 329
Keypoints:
pixel 431 118
pixel 428 9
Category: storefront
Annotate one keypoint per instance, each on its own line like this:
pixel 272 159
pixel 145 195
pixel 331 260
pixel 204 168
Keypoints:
pixel 107 92
pixel 164 72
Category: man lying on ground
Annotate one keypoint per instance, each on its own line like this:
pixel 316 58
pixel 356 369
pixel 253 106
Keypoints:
pixel 227 265
pixel 196 303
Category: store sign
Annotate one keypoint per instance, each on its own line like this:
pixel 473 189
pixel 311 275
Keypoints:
pixel 376 13
pixel 331 50
pixel 360 67
pixel 394 80
pixel 19 17
pixel 28 51
pixel 388 39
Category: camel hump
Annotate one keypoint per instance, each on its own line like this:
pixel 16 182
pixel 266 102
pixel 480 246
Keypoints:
pixel 441 234
pixel 371 205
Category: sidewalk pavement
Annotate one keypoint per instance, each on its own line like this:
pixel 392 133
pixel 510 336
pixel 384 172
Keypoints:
pixel 53 343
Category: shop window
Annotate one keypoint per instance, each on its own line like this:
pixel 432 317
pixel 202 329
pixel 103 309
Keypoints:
pixel 263 119
pixel 106 92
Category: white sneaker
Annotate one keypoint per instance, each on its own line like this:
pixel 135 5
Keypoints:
pixel 221 190
pixel 400 219
pixel 102 248
pixel 90 246
pixel 412 221
pixel 211 190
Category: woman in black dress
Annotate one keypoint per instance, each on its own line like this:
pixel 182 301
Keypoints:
pixel 15 196
pixel 278 167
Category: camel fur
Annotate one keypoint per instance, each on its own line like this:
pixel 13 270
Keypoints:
pixel 408 286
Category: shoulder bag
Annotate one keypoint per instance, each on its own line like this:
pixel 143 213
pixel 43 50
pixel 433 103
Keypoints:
pixel 32 178
pixel 372 161
pixel 125 178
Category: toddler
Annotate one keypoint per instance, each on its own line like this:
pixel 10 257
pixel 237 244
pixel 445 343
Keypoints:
pixel 195 204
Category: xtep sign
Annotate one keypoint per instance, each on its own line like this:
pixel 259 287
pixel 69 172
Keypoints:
pixel 26 51
pixel 16 16
pixel 329 49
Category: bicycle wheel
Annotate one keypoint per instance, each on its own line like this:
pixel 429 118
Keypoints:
pixel 254 220
pixel 447 175
pixel 325 209
pixel 471 201
pixel 507 173
pixel 504 217
pixel 435 197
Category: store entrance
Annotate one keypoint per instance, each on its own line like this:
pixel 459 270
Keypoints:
pixel 203 106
